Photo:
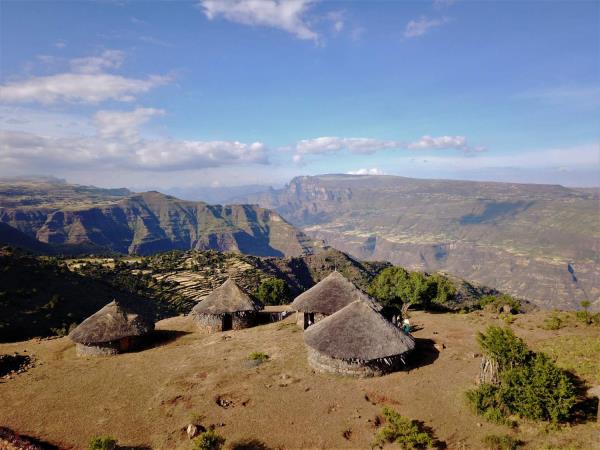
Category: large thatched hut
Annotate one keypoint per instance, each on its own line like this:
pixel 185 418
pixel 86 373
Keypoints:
pixel 117 327
pixel 329 295
pixel 226 308
pixel 357 341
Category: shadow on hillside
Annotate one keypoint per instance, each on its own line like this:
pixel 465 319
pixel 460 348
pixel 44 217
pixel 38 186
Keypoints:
pixel 24 441
pixel 586 409
pixel 437 444
pixel 249 444
pixel 424 354
pixel 161 337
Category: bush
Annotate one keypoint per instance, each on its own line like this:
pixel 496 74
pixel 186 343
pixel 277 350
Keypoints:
pixel 496 302
pixel 502 345
pixel 258 356
pixel 585 316
pixel 538 390
pixel 504 442
pixel 404 432
pixel 273 291
pixel 554 322
pixel 102 443
pixel 209 440
pixel 487 402
pixel 531 385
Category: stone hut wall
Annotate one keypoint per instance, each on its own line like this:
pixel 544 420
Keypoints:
pixel 103 349
pixel 209 323
pixel 214 323
pixel 357 368
pixel 243 320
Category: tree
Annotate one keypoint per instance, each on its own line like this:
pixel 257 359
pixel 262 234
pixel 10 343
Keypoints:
pixel 273 291
pixel 530 384
pixel 444 289
pixel 395 286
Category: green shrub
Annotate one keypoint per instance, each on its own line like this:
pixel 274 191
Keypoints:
pixel 531 385
pixel 402 431
pixel 258 356
pixel 209 440
pixel 502 345
pixel 496 302
pixel 273 291
pixel 585 316
pixel 538 390
pixel 102 443
pixel 486 402
pixel 554 322
pixel 504 442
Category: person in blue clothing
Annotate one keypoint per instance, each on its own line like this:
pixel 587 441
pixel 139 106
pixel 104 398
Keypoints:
pixel 406 326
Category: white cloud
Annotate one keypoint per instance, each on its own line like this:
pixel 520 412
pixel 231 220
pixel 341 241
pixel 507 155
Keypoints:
pixel 87 83
pixel 331 144
pixel 108 59
pixel 124 124
pixel 444 142
pixel 337 19
pixel 22 149
pixel 419 27
pixel 78 88
pixel 372 171
pixel 287 15
pixel 118 144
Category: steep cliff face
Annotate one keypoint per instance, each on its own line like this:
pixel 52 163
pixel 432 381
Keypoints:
pixel 153 222
pixel 515 237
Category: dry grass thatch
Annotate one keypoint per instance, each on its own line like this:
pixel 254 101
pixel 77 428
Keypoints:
pixel 330 295
pixel 227 298
pixel 117 320
pixel 358 332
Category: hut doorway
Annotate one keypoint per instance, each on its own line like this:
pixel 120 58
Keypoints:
pixel 309 319
pixel 227 322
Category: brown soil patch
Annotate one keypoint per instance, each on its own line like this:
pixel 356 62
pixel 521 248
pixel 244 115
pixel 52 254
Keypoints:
pixel 147 398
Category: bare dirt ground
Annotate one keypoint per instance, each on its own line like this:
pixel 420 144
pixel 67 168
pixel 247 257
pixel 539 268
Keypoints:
pixel 145 399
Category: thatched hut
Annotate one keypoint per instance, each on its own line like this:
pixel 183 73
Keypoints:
pixel 226 308
pixel 357 341
pixel 329 295
pixel 116 328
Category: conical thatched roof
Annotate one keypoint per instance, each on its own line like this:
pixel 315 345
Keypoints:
pixel 227 298
pixel 116 320
pixel 331 294
pixel 358 332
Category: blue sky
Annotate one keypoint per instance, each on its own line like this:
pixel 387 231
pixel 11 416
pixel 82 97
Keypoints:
pixel 183 94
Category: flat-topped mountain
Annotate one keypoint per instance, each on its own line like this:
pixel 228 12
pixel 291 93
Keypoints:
pixel 536 241
pixel 122 221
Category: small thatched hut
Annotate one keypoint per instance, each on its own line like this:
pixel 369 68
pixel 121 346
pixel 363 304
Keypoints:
pixel 226 308
pixel 357 341
pixel 329 295
pixel 116 328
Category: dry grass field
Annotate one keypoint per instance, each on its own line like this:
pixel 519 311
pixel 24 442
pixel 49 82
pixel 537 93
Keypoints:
pixel 145 399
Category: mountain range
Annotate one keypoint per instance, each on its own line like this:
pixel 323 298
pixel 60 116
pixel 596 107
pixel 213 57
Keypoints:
pixel 60 214
pixel 540 242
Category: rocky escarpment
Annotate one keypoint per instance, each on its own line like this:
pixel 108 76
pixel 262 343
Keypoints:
pixel 535 241
pixel 153 222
